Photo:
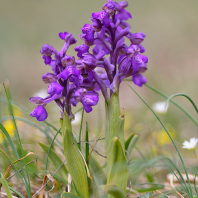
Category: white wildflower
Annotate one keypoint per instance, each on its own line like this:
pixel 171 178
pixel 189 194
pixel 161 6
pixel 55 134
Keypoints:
pixel 160 107
pixel 190 145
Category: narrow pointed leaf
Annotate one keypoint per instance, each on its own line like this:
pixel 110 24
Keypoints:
pixel 117 172
pixel 56 161
pixel 114 190
pixel 119 129
pixel 75 162
pixel 99 177
pixel 131 142
pixel 5 185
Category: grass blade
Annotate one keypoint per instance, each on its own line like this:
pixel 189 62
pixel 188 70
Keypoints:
pixel 79 145
pixel 87 145
pixel 175 103
pixel 16 192
pixel 131 142
pixel 49 150
pixel 5 185
pixel 169 137
pixel 182 94
pixel 55 160
pixel 27 183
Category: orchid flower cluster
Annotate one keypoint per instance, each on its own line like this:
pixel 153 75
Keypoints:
pixel 110 61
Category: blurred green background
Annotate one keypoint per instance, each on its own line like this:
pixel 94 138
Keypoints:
pixel 171 46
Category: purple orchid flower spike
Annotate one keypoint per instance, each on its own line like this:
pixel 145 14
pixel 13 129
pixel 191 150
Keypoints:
pixel 73 81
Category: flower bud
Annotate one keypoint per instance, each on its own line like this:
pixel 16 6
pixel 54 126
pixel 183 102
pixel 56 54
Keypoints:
pixel 68 61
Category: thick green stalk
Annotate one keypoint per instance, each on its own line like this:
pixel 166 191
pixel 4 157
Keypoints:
pixel 74 159
pixel 113 116
pixel 114 134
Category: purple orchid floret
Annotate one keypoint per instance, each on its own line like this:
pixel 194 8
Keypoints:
pixel 81 49
pixel 54 88
pixel 68 61
pixel 49 77
pixel 37 100
pixel 87 98
pixel 88 31
pixel 40 113
pixel 111 60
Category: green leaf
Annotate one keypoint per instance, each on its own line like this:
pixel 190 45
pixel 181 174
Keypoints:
pixel 118 130
pixel 131 142
pixel 16 192
pixel 114 190
pixel 69 195
pixel 74 159
pixel 5 185
pixel 98 175
pixel 117 172
pixel 56 161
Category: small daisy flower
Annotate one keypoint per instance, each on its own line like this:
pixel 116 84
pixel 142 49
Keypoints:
pixel 190 145
pixel 160 107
